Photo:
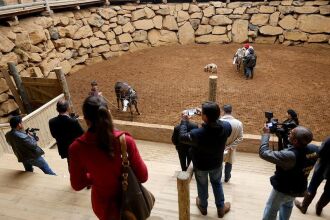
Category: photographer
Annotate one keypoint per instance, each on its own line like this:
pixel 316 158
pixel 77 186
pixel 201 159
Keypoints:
pixel 65 128
pixel 208 144
pixel 293 166
pixel 283 133
pixel 25 147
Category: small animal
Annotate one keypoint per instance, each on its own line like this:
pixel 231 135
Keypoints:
pixel 211 68
pixel 127 96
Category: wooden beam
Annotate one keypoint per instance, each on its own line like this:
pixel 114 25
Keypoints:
pixel 183 181
pixel 61 78
pixel 20 87
pixel 213 88
pixel 13 90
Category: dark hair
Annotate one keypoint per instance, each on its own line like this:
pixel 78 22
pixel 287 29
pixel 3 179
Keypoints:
pixel 293 115
pixel 303 135
pixel 62 106
pixel 227 109
pixel 96 111
pixel 211 110
pixel 14 121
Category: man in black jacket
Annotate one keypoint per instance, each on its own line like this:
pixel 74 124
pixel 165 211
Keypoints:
pixel 293 166
pixel 25 147
pixel 64 128
pixel 208 144
pixel 321 172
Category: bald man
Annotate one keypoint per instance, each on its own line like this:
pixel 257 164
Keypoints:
pixel 293 166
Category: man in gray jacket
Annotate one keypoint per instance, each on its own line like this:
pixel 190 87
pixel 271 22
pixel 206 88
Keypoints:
pixel 25 147
pixel 293 166
pixel 233 140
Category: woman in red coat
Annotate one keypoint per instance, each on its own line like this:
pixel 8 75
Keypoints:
pixel 95 160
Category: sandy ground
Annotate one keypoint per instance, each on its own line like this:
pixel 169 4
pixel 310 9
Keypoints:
pixel 169 79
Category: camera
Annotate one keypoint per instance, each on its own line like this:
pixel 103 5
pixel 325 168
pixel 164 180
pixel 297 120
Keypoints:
pixel 33 132
pixel 74 115
pixel 192 111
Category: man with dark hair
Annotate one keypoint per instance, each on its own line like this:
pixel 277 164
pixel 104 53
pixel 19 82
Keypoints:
pixel 25 147
pixel 94 89
pixel 64 128
pixel 293 166
pixel 250 61
pixel 321 172
pixel 208 144
pixel 233 140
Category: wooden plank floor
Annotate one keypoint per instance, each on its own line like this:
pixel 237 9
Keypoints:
pixel 38 196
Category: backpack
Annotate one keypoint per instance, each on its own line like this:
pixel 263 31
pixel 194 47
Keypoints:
pixel 251 61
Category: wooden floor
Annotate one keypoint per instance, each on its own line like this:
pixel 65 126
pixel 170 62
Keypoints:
pixel 37 196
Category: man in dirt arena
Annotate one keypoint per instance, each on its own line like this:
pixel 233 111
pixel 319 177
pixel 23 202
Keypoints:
pixel 293 166
pixel 233 140
pixel 208 144
pixel 64 128
pixel 25 147
pixel 249 61
pixel 94 89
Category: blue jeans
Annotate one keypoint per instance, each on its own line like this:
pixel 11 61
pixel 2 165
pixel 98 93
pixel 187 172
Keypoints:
pixel 228 168
pixel 278 201
pixel 248 72
pixel 38 162
pixel 202 186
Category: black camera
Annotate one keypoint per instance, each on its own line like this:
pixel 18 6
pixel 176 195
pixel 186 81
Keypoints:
pixel 33 132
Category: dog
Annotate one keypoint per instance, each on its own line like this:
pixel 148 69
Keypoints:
pixel 211 68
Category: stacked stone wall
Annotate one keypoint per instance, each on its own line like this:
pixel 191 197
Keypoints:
pixel 82 37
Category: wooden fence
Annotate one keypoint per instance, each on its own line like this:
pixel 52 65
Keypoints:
pixel 183 182
pixel 37 119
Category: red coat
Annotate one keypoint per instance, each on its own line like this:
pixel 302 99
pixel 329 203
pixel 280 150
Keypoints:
pixel 89 165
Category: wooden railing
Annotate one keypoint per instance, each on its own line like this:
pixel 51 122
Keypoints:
pixel 37 119
pixel 183 182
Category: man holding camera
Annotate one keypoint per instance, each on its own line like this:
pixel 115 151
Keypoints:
pixel 293 166
pixel 65 128
pixel 25 147
pixel 208 144
pixel 233 140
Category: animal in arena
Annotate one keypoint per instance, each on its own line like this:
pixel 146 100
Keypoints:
pixel 211 68
pixel 127 96
pixel 238 58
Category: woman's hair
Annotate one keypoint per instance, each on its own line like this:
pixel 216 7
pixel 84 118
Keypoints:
pixel 96 111
pixel 293 115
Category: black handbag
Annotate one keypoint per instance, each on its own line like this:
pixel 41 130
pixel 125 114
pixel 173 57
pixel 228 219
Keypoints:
pixel 137 201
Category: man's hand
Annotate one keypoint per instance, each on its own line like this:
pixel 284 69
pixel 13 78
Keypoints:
pixel 266 130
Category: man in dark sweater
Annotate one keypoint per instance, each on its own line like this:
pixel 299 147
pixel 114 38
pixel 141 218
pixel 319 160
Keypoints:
pixel 64 128
pixel 208 144
pixel 25 147
pixel 293 166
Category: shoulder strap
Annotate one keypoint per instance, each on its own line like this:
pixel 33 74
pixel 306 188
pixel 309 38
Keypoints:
pixel 123 150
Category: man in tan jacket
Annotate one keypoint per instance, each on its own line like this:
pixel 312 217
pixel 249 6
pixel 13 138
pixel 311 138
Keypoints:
pixel 233 140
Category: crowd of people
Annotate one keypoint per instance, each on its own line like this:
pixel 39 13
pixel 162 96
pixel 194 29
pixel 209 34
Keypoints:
pixel 94 157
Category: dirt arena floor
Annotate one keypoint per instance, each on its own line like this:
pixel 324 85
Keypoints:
pixel 169 79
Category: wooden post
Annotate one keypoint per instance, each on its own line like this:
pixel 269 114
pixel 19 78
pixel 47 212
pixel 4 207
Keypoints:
pixel 13 90
pixel 213 88
pixel 61 78
pixel 20 87
pixel 183 180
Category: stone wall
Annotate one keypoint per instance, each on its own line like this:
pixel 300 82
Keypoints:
pixel 83 37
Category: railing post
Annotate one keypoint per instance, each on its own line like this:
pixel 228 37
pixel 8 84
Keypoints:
pixel 183 180
pixel 61 78
pixel 213 88
pixel 49 11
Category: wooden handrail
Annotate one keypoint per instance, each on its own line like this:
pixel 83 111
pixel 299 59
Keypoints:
pixel 183 182
pixel 23 5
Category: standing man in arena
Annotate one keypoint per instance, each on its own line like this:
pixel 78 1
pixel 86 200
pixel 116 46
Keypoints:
pixel 208 144
pixel 293 166
pixel 64 128
pixel 233 140
pixel 25 147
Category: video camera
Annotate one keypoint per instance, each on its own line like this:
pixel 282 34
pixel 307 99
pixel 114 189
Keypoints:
pixel 276 127
pixel 33 132
pixel 192 111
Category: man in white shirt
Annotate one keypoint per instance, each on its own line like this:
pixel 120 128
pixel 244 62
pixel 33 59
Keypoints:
pixel 233 140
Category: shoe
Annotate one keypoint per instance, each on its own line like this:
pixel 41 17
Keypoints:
pixel 227 180
pixel 323 201
pixel 88 187
pixel 303 206
pixel 201 209
pixel 224 210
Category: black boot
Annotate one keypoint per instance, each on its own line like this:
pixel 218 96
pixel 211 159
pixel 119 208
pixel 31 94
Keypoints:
pixel 323 201
pixel 302 206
